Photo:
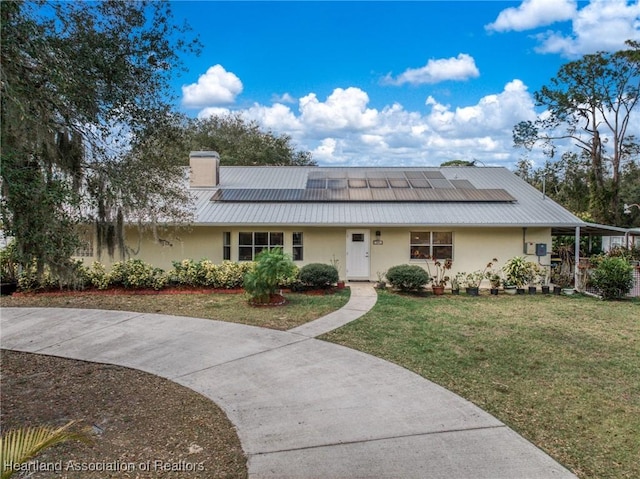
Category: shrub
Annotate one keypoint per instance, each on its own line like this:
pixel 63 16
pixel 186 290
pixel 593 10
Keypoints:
pixel 135 273
pixel 407 277
pixel 98 276
pixel 74 276
pixel 319 275
pixel 613 277
pixel 270 269
pixel 230 275
pixel 187 273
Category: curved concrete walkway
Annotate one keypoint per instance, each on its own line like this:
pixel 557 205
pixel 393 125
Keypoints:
pixel 303 408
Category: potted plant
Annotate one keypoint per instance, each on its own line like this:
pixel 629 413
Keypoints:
pixel 509 287
pixel 381 283
pixel 472 282
pixel 518 272
pixel 543 279
pixel 534 280
pixel 561 282
pixel 440 279
pixel 456 281
pixel 494 276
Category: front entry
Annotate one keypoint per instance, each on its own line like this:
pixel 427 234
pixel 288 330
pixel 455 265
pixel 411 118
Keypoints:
pixel 358 254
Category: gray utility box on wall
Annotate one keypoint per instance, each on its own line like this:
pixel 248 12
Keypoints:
pixel 541 249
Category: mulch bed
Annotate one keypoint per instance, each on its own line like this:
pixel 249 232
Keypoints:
pixel 140 425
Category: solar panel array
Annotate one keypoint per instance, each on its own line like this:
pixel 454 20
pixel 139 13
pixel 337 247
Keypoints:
pixel 371 186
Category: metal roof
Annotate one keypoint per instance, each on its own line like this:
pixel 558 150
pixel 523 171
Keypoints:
pixel 375 206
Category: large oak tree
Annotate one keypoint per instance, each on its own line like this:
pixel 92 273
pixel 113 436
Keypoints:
pixel 84 85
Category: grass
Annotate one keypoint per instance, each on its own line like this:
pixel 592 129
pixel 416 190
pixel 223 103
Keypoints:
pixel 562 371
pixel 301 308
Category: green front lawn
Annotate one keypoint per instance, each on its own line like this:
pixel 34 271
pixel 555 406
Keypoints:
pixel 301 308
pixel 562 371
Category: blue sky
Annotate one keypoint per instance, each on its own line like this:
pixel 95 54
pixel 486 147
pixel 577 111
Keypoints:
pixel 391 83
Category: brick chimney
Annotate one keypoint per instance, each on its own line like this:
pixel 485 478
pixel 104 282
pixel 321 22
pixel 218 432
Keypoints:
pixel 205 169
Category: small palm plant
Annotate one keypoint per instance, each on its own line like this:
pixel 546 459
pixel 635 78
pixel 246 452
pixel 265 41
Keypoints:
pixel 272 267
pixel 18 446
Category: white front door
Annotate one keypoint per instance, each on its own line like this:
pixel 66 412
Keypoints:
pixel 358 254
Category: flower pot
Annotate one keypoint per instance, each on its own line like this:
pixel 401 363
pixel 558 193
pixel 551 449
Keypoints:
pixel 533 290
pixel 473 291
pixel 8 288
pixel 510 290
pixel 519 290
pixel 494 291
pixel 455 291
pixel 557 290
pixel 545 290
pixel 340 284
pixel 568 291
pixel 438 290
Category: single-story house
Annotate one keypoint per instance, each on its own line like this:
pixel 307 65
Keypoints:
pixel 365 219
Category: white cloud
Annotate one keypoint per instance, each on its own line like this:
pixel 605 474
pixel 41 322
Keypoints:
pixel 213 111
pixel 603 25
pixel 494 114
pixel 344 109
pixel 344 130
pixel 457 68
pixel 216 87
pixel 284 98
pixel 533 14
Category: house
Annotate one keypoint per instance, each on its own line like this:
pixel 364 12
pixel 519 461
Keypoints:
pixel 366 218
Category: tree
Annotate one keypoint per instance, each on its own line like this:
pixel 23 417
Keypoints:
pixel 83 84
pixel 241 142
pixel 590 102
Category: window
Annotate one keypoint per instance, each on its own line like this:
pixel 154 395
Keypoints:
pixel 357 238
pixel 251 243
pixel 431 244
pixel 226 245
pixel 297 247
pixel 85 249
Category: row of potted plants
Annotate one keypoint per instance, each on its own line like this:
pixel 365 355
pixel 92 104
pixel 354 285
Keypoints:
pixel 514 276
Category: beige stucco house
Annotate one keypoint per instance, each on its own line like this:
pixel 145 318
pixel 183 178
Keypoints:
pixel 368 219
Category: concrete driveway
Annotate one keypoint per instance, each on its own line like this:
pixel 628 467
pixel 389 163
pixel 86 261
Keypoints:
pixel 303 408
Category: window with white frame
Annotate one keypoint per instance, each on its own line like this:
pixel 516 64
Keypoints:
pixel 298 247
pixel 250 243
pixel 226 245
pixel 431 244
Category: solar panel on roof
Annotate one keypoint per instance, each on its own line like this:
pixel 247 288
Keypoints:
pixel 398 183
pixel 336 183
pixel 414 175
pixel 432 174
pixel 378 183
pixel 316 183
pixel 362 194
pixel 419 183
pixel 383 194
pixel 357 183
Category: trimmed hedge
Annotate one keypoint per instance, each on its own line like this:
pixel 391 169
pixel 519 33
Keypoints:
pixel 407 277
pixel 319 275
